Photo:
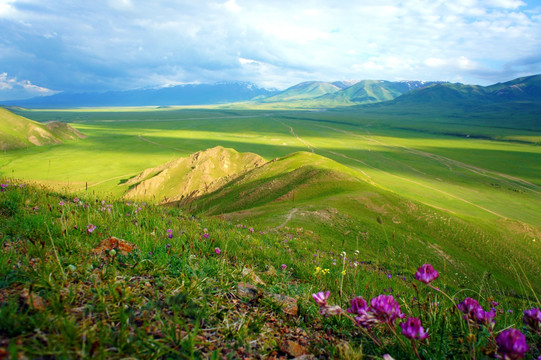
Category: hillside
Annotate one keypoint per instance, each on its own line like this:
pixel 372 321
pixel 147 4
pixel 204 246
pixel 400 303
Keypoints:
pixel 19 132
pixel 371 91
pixel 307 191
pixel 198 174
pixel 90 277
pixel 303 91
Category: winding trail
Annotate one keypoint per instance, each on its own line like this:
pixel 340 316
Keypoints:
pixel 389 173
pixel 110 179
pixel 161 145
pixel 509 179
pixel 289 216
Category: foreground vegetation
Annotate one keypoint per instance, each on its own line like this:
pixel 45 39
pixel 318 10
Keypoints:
pixel 178 286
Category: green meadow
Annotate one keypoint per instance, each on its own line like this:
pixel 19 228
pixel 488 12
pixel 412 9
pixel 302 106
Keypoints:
pixel 391 191
pixel 482 178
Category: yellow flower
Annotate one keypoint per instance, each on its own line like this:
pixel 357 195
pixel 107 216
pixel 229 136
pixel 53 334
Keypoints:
pixel 325 271
pixel 318 269
pixel 343 272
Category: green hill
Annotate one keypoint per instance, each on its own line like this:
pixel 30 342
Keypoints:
pixel 19 132
pixel 307 191
pixel 304 91
pixel 195 175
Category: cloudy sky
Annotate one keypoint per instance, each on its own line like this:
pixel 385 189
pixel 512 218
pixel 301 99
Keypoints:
pixel 82 45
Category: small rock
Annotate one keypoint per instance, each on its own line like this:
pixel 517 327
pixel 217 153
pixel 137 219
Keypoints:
pixel 305 357
pixel 288 303
pixel 247 290
pixel 293 348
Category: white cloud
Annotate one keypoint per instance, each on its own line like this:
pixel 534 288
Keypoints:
pixel 232 6
pixel 127 44
pixel 11 88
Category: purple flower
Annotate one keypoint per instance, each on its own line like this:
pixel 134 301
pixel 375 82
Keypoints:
pixel 358 306
pixel 75 200
pixel 217 251
pixel 284 266
pixel 321 298
pixel 511 344
pixel 205 236
pixel 468 307
pixel 426 274
pixel 385 308
pixel 251 229
pixel 532 318
pixel 412 329
pixel 485 317
pixel 90 228
pixel 61 203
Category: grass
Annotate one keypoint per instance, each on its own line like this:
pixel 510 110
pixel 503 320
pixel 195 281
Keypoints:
pixel 469 206
pixel 175 297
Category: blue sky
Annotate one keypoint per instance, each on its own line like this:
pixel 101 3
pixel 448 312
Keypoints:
pixel 98 45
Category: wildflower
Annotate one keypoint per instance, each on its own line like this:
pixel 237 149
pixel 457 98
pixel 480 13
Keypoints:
pixel 321 298
pixel 385 308
pixel 61 203
pixel 168 246
pixel 251 229
pixel 3 186
pixel 358 305
pixel 90 228
pixel 205 236
pixel 412 329
pixel 284 266
pixel 485 317
pixel 532 318
pixel 511 344
pixel 75 200
pixel 325 271
pixel 343 273
pixel 389 276
pixel 468 307
pixel 426 274
pixel 169 233
pixel 318 269
pixel 217 251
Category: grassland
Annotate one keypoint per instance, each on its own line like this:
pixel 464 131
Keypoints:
pixel 399 194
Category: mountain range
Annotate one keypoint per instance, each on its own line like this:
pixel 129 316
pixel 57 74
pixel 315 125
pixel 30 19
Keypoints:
pixel 188 94
pixel 310 94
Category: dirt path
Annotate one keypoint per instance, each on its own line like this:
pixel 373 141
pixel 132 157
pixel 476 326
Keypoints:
pixel 160 145
pixel 524 184
pixel 389 173
pixel 309 146
pixel 289 216
pixel 106 180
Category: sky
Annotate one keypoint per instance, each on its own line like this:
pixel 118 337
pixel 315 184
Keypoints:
pixel 79 45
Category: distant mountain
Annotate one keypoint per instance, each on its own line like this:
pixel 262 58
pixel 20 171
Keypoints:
pixel 189 94
pixel 460 96
pixel 303 91
pixel 19 132
pixel 371 91
pixel 342 84
pixel 342 93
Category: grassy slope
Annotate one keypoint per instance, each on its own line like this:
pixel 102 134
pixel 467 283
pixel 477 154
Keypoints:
pixel 19 132
pixel 305 190
pixel 199 173
pixel 419 166
pixel 176 298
